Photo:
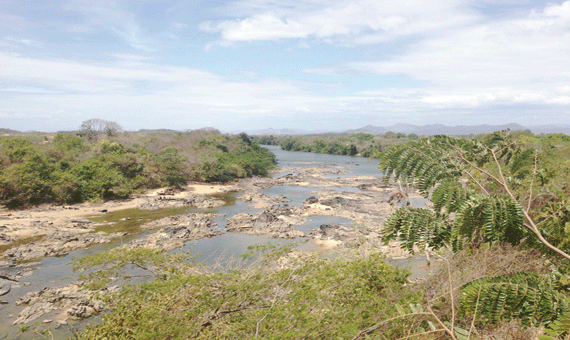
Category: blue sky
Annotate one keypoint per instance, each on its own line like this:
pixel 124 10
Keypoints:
pixel 303 64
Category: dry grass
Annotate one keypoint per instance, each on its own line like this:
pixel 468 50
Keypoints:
pixel 458 269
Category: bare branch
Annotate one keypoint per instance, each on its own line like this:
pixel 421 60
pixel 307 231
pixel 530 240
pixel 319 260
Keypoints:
pixel 532 180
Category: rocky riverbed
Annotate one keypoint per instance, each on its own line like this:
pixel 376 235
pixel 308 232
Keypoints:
pixel 61 229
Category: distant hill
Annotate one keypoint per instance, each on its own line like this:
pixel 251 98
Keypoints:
pixel 272 131
pixel 550 129
pixel 374 130
pixel 8 132
pixel 437 129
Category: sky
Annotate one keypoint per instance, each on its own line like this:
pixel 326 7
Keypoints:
pixel 301 64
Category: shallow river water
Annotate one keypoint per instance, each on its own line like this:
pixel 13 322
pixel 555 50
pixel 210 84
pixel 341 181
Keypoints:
pixel 54 271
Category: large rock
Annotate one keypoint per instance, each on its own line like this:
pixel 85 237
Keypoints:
pixel 4 287
pixel 77 304
pixel 274 222
pixel 194 200
pixel 177 230
pixel 58 244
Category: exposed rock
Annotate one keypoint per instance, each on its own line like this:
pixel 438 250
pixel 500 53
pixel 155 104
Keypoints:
pixel 84 309
pixel 339 202
pixel 4 287
pixel 9 277
pixel 195 200
pixel 58 244
pixel 274 222
pixel 75 303
pixel 177 230
pixel 334 232
pixel 311 200
pixel 5 239
pixel 34 312
pixel 262 201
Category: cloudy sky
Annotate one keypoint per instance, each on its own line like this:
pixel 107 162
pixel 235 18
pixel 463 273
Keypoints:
pixel 304 64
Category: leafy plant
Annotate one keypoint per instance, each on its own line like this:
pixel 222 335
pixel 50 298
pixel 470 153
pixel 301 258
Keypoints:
pixel 469 180
pixel 533 298
pixel 483 191
pixel 315 298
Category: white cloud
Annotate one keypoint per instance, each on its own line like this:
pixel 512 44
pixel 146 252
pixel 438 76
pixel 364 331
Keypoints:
pixel 360 18
pixel 523 60
pixel 141 91
pixel 26 42
pixel 562 11
pixel 111 17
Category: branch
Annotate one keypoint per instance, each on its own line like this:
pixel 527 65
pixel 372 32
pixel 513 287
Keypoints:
pixel 531 225
pixel 451 296
pixel 375 327
pixel 532 180
pixel 447 330
pixel 475 167
pixel 421 334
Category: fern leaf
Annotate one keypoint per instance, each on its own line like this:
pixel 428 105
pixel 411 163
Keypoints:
pixel 417 226
pixel 558 328
pixel 422 163
pixel 449 194
pixel 495 219
pixel 531 297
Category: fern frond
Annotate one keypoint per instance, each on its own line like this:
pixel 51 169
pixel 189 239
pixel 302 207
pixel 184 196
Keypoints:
pixel 449 194
pixel 558 328
pixel 417 226
pixel 421 163
pixel 495 219
pixel 530 297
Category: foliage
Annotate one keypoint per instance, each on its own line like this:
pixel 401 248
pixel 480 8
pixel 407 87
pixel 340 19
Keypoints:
pixel 472 180
pixel 362 144
pixel 171 165
pixel 68 168
pixel 558 329
pixel 492 190
pixel 533 298
pixel 316 298
pixel 251 160
pixel 92 128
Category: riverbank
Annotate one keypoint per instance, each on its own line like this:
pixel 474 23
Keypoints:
pixel 326 192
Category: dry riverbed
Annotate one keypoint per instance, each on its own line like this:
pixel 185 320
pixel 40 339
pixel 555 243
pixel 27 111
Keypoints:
pixel 56 230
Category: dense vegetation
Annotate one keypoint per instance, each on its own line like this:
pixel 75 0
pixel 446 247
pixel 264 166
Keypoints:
pixel 500 208
pixel 108 163
pixel 315 299
pixel 496 189
pixel 362 144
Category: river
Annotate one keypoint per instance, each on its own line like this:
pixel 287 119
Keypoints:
pixel 54 271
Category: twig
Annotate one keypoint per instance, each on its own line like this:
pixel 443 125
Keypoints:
pixel 375 327
pixel 451 296
pixel 451 334
pixel 530 223
pixel 275 299
pixel 475 314
pixel 532 180
pixel 421 334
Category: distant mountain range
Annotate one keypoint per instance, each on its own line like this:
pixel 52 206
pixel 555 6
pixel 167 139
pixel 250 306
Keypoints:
pixel 272 131
pixel 420 130
pixel 425 130
pixel 4 131
pixel 438 129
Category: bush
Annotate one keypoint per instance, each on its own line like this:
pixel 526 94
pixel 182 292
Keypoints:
pixel 317 299
pixel 73 169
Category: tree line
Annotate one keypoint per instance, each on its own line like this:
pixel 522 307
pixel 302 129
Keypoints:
pixel 101 161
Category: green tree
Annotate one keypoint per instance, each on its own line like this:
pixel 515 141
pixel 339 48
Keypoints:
pixel 172 167
pixel 482 192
